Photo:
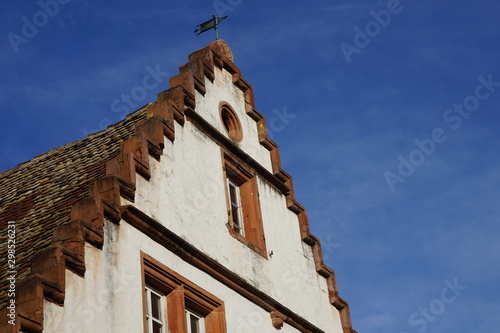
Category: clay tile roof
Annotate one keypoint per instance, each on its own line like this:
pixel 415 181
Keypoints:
pixel 38 194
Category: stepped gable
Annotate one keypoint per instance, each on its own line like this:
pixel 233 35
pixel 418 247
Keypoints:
pixel 60 199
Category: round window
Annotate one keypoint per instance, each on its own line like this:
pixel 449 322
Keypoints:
pixel 231 123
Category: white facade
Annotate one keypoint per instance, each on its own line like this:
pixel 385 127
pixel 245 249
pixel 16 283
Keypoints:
pixel 109 298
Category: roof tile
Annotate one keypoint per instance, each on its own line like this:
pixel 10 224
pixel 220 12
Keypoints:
pixel 38 194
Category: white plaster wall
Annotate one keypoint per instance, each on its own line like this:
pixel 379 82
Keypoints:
pixel 109 298
pixel 186 194
pixel 223 89
pixel 295 282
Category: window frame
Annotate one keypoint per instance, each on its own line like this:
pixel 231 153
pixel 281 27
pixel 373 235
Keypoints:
pixel 201 322
pixel 150 319
pixel 180 294
pixel 235 214
pixel 252 234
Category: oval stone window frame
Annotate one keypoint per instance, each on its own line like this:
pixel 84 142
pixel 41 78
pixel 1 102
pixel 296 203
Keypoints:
pixel 230 122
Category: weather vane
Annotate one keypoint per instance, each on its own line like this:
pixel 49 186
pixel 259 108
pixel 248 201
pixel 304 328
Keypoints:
pixel 210 24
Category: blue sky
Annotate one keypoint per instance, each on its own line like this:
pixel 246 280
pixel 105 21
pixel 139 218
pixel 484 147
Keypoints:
pixel 386 114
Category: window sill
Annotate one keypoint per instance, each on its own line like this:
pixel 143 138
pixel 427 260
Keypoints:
pixel 245 241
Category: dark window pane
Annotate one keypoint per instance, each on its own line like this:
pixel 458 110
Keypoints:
pixel 155 306
pixel 194 322
pixel 236 217
pixel 157 327
pixel 233 194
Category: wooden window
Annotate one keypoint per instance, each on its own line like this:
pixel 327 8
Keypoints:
pixel 235 209
pixel 155 311
pixel 195 323
pixel 187 307
pixel 243 207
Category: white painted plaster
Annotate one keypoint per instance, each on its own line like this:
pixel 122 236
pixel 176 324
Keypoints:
pixel 223 89
pixel 109 298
